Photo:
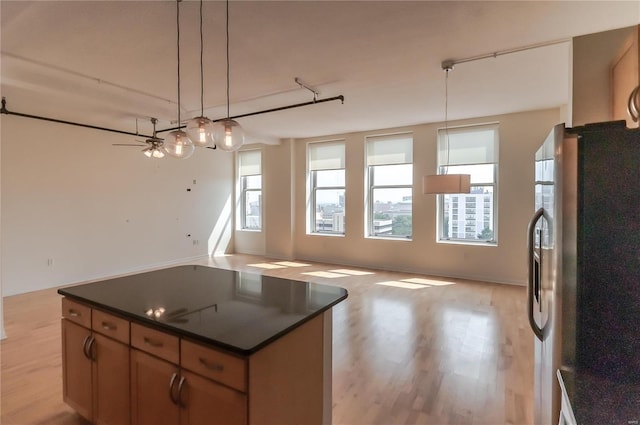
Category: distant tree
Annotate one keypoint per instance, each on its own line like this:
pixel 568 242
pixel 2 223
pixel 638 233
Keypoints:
pixel 381 216
pixel 401 225
pixel 486 234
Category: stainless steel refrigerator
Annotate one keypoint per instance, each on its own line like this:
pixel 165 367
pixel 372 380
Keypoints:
pixel 584 258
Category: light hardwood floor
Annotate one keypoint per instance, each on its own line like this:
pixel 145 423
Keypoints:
pixel 407 349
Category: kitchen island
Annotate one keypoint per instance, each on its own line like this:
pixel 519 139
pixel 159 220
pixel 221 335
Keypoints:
pixel 196 344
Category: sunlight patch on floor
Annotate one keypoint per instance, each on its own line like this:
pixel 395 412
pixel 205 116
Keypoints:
pixel 401 284
pixel 291 264
pixel 266 266
pixel 328 275
pixel 351 272
pixel 429 282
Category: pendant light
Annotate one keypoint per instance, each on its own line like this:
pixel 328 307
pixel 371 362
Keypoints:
pixel 200 129
pixel 177 142
pixel 228 135
pixel 446 183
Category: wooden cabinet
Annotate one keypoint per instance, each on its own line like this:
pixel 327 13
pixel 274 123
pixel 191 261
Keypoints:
pixel 119 372
pixel 76 368
pixel 163 392
pixel 205 402
pixel 153 390
pixel 95 367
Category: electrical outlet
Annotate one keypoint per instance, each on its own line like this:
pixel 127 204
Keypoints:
pixel 49 262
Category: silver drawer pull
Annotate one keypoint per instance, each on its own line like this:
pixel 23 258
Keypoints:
pixel 109 326
pixel 211 365
pixel 152 342
pixel 73 313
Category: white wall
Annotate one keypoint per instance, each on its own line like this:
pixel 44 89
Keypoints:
pixel 97 210
pixel 520 136
pixel 593 56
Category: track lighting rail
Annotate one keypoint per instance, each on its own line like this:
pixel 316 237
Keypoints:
pixel 265 111
pixel 5 111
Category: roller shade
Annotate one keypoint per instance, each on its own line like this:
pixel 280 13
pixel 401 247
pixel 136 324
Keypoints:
pixel 468 145
pixel 326 156
pixel 250 163
pixel 390 150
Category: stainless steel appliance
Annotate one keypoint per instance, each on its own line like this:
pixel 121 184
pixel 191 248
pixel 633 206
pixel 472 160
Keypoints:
pixel 584 258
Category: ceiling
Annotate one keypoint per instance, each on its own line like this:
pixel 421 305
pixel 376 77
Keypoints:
pixel 110 63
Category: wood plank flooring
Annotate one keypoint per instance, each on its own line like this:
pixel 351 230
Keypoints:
pixel 407 349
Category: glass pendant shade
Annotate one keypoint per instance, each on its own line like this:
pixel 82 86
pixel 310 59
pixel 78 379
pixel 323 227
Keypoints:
pixel 228 135
pixel 178 145
pixel 200 131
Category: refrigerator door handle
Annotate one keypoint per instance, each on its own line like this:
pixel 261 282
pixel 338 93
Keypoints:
pixel 530 282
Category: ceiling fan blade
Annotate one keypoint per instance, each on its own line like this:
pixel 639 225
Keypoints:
pixel 126 144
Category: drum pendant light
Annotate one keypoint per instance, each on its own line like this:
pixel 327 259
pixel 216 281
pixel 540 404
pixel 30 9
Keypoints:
pixel 446 183
pixel 177 142
pixel 228 135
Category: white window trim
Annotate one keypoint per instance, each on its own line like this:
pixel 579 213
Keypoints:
pixel 369 188
pixel 242 191
pixel 312 188
pixel 440 200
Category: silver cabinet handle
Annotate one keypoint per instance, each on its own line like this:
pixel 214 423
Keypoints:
pixel 180 386
pixel 152 343
pixel 530 281
pixel 73 313
pixel 171 383
pixel 84 346
pixel 210 365
pixel 90 355
pixel 109 326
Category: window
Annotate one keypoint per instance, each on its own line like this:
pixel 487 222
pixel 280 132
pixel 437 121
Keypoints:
pixel 250 175
pixel 390 186
pixel 327 187
pixel 469 150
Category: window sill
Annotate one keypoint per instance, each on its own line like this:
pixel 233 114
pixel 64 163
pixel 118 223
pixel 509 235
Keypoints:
pixel 250 230
pixel 332 235
pixel 468 243
pixel 383 238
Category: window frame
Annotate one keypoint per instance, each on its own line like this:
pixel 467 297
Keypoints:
pixel 442 169
pixel 245 190
pixel 313 189
pixel 371 187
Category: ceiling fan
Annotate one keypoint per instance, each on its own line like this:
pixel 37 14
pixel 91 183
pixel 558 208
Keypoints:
pixel 154 144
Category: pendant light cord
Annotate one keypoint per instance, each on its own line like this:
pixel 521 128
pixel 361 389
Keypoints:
pixel 178 40
pixel 446 116
pixel 201 66
pixel 228 59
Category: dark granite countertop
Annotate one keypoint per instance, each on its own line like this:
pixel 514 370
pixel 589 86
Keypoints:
pixel 598 400
pixel 237 311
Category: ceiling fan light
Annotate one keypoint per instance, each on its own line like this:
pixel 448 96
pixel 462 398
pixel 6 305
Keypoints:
pixel 148 152
pixel 178 145
pixel 200 131
pixel 228 135
pixel 157 153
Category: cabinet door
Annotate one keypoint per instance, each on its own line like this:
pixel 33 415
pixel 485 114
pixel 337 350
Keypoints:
pixel 76 368
pixel 206 402
pixel 151 380
pixel 110 381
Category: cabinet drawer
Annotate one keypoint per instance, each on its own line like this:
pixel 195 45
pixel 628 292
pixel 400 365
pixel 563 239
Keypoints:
pixel 214 364
pixel 155 342
pixel 76 312
pixel 110 325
